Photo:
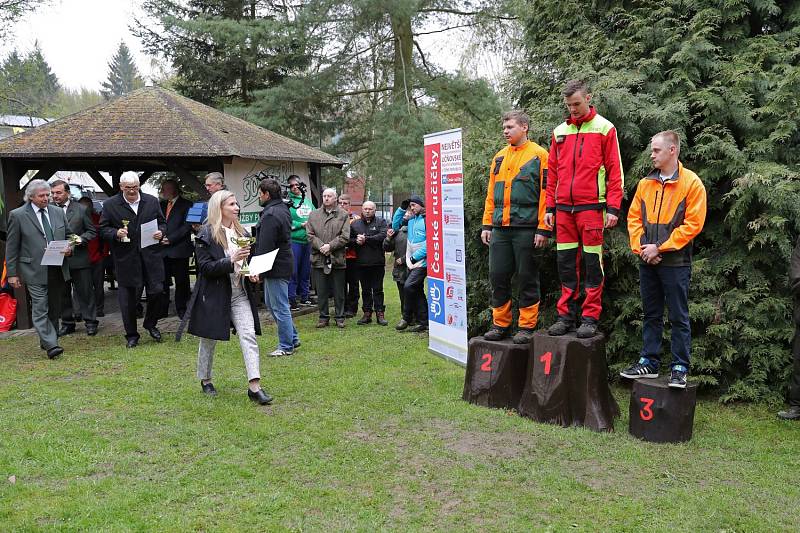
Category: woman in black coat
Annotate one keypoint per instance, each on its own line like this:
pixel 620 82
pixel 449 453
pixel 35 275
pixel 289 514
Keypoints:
pixel 223 296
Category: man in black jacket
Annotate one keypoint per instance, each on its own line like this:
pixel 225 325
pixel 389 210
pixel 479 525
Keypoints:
pixel 793 413
pixel 80 270
pixel 273 232
pixel 135 267
pixel 177 243
pixel 366 238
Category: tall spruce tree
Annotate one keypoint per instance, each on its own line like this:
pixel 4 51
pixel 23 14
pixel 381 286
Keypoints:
pixel 727 77
pixel 27 84
pixel 123 75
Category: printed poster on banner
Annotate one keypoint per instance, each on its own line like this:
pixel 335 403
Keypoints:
pixel 444 216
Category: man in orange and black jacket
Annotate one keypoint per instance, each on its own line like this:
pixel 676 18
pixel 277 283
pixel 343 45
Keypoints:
pixel 584 193
pixel 513 225
pixel 667 213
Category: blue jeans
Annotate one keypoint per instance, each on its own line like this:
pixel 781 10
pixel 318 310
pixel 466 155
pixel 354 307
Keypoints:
pixel 277 301
pixel 659 285
pixel 301 275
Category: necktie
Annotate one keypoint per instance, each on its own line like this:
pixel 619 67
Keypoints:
pixel 169 208
pixel 48 231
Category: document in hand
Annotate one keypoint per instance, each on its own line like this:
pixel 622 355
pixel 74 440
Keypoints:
pixel 146 232
pixel 262 263
pixel 54 253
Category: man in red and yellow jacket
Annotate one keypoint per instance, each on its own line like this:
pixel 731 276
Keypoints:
pixel 667 213
pixel 584 193
pixel 512 225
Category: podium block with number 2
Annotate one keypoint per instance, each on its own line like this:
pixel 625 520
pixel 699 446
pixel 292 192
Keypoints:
pixel 495 374
pixel 567 383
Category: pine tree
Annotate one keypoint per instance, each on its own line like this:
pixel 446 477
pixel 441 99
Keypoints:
pixel 727 77
pixel 27 84
pixel 123 76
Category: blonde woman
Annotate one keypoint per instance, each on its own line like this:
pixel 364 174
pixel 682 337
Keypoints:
pixel 224 296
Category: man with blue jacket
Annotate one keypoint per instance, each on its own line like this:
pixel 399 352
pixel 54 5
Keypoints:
pixel 416 254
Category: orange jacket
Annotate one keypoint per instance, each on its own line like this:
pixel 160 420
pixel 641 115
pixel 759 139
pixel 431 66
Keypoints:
pixel 668 214
pixel 517 181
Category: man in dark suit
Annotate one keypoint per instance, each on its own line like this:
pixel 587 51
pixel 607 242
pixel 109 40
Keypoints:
pixel 30 228
pixel 80 270
pixel 135 267
pixel 177 244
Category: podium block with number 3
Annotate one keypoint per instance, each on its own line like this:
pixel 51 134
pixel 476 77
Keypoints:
pixel 567 383
pixel 661 414
pixel 495 374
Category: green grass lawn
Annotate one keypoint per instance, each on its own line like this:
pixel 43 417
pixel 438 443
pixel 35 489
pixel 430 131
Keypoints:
pixel 367 432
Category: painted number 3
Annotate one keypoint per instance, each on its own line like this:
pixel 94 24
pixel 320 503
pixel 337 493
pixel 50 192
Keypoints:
pixel 645 412
pixel 547 358
pixel 487 362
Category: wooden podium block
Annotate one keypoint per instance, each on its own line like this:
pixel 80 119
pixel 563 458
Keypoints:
pixel 495 374
pixel 567 383
pixel 661 414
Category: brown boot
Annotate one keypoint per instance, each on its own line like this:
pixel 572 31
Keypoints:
pixel 380 318
pixel 366 319
pixel 323 323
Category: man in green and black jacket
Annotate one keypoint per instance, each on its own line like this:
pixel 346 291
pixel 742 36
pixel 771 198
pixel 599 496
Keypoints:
pixel 299 284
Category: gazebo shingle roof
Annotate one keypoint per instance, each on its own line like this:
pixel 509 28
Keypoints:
pixel 156 122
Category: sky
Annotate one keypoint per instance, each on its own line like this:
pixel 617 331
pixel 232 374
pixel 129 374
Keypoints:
pixel 79 37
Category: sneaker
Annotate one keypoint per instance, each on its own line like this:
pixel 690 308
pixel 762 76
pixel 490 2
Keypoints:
pixel 293 305
pixel 587 330
pixel 419 328
pixel 523 336
pixel 281 352
pixel 677 379
pixel 561 327
pixel 792 413
pixel 307 301
pixel 401 325
pixel 297 344
pixel 640 369
pixel 496 333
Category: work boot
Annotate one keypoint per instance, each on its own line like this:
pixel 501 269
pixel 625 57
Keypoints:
pixel 323 323
pixel 380 318
pixel 366 319
pixel 340 323
pixel 523 336
pixel 419 328
pixel 561 327
pixel 496 333
pixel 587 330
pixel 401 325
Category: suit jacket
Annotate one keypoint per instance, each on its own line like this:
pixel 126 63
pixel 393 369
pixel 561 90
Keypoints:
pixel 26 243
pixel 133 264
pixel 81 224
pixel 179 232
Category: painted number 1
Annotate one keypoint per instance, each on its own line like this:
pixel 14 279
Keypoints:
pixel 487 362
pixel 547 358
pixel 645 413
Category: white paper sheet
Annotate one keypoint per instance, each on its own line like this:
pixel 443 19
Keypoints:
pixel 262 263
pixel 54 253
pixel 146 232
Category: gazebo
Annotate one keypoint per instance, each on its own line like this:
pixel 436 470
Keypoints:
pixel 155 130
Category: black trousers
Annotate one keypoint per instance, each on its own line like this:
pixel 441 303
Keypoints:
pixel 371 278
pixel 401 291
pixel 81 283
pixel 99 286
pixel 415 301
pixel 328 285
pixel 351 304
pixel 128 298
pixel 178 268
pixel 794 384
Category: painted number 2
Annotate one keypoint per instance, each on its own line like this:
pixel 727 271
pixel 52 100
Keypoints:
pixel 487 362
pixel 645 413
pixel 547 358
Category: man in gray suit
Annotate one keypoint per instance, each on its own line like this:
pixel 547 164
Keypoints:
pixel 79 265
pixel 30 228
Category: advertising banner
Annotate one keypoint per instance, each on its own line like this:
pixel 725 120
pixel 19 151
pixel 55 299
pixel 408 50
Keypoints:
pixel 444 215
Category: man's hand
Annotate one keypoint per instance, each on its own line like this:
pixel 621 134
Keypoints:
pixel 325 249
pixel 122 233
pixel 157 235
pixel 398 261
pixel 67 251
pixel 548 220
pixel 361 238
pixel 486 236
pixel 539 241
pixel 611 220
pixel 648 253
pixel 14 282
pixel 390 233
pixel 656 260
pixel 165 240
pixel 253 279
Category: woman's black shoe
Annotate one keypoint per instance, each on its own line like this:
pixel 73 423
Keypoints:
pixel 261 397
pixel 208 388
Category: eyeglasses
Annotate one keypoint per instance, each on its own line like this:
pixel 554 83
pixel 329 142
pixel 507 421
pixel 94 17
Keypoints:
pixel 130 187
